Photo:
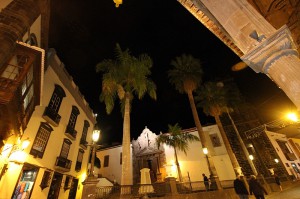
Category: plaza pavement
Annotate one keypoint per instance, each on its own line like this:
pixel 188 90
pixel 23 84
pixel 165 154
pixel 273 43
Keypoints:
pixel 290 192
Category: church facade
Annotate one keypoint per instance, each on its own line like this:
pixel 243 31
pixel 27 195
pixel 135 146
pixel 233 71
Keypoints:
pixel 161 161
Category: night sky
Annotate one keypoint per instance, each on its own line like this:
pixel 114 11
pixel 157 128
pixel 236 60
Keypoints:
pixel 83 33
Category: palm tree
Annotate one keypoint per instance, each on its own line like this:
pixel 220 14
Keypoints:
pixel 186 76
pixel 123 78
pixel 178 141
pixel 212 97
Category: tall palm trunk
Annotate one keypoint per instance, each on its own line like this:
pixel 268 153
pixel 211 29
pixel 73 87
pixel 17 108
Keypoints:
pixel 242 143
pixel 232 157
pixel 126 178
pixel 202 137
pixel 177 165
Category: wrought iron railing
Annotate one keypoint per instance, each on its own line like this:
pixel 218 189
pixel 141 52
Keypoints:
pixel 63 164
pixel 51 116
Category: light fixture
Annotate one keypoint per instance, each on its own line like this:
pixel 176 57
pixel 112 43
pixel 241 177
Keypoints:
pixel 293 117
pixel 96 135
pixel 276 160
pixel 25 144
pixel 118 2
pixel 205 151
pixel 251 157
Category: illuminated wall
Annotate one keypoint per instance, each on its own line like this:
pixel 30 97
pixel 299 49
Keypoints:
pixel 55 74
pixel 194 162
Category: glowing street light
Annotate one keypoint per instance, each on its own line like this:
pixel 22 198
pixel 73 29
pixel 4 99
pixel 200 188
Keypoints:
pixel 293 117
pixel 118 2
pixel 95 138
pixel 251 157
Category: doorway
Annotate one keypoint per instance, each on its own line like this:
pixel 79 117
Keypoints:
pixel 55 186
pixel 73 189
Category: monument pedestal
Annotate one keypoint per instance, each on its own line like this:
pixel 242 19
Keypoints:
pixel 89 188
pixel 145 186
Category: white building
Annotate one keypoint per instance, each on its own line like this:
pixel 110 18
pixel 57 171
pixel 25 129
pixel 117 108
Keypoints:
pixel 287 151
pixel 55 163
pixel 161 161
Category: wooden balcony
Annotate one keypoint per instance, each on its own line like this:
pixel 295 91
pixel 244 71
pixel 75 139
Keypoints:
pixel 51 116
pixel 63 164
pixel 71 132
pixel 83 143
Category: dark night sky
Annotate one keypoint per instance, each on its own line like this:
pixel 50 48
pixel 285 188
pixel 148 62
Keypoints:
pixel 85 32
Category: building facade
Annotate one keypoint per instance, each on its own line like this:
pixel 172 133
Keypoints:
pixel 55 163
pixel 161 161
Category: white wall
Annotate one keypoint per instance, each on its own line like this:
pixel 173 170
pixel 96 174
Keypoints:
pixel 195 162
pixel 114 169
pixel 277 136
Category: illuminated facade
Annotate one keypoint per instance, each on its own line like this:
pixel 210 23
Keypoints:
pixel 145 154
pixel 55 163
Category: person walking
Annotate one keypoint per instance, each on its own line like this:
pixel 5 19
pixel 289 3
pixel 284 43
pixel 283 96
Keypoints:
pixel 277 180
pixel 256 188
pixel 206 182
pixel 240 188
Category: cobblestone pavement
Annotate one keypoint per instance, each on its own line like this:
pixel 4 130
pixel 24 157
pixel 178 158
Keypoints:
pixel 291 192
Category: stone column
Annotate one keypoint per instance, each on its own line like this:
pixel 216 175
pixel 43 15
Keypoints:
pixel 278 58
pixel 172 182
pixel 89 188
pixel 265 49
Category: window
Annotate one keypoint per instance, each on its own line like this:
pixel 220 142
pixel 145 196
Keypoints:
pixel 41 140
pixel 79 160
pixel 32 40
pixel 56 98
pixel 46 180
pixel 65 148
pixel 121 158
pixel 68 182
pixel 27 88
pixel 70 130
pixel 285 148
pixel 62 162
pixel 215 140
pixel 51 111
pixel 106 161
pixel 73 117
pixel 83 141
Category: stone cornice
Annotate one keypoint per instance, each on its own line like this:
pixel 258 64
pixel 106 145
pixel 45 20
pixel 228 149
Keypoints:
pixel 269 50
pixel 68 82
pixel 203 15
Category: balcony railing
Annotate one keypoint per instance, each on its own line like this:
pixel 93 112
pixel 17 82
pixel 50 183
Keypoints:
pixel 83 143
pixel 71 132
pixel 63 164
pixel 51 116
pixel 78 166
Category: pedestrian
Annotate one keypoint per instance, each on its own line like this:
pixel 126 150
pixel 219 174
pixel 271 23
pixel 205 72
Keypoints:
pixel 206 182
pixel 277 180
pixel 240 187
pixel 256 188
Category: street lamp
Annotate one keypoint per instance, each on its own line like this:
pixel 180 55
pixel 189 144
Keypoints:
pixel 251 157
pixel 95 138
pixel 205 151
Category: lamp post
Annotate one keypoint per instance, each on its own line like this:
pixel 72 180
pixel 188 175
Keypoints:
pixel 215 182
pixel 95 138
pixel 205 151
